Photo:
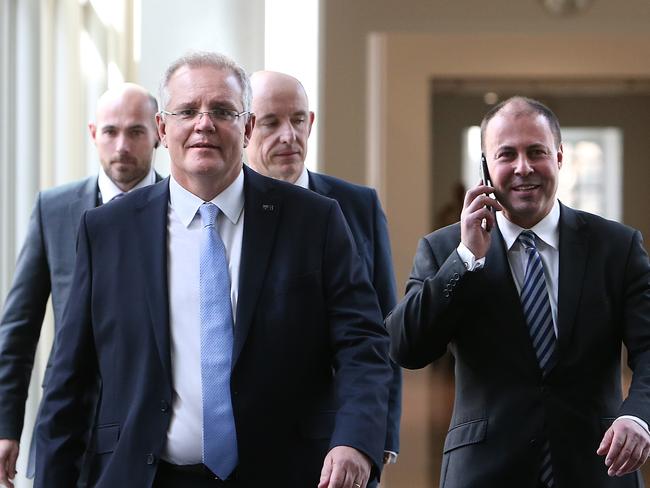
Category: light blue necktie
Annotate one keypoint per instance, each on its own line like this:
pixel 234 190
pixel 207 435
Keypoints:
pixel 537 310
pixel 219 435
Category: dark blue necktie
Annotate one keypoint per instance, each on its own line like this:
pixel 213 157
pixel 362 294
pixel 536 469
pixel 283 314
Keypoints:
pixel 219 435
pixel 537 310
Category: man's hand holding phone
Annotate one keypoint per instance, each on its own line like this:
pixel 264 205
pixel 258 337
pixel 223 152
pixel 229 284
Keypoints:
pixel 478 207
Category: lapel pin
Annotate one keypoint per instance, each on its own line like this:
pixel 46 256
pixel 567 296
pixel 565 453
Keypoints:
pixel 267 207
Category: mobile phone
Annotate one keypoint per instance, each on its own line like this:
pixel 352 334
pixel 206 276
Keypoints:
pixel 485 174
pixel 485 178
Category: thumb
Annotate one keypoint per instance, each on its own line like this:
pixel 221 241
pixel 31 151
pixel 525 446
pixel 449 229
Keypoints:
pixel 325 473
pixel 606 442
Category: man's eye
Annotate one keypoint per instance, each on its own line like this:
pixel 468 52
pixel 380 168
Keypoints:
pixel 299 120
pixel 187 113
pixel 222 113
pixel 269 123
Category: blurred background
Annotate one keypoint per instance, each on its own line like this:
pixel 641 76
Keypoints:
pixel 398 88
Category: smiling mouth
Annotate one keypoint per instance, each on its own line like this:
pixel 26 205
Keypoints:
pixel 525 187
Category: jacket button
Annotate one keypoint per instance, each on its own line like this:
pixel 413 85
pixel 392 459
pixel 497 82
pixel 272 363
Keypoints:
pixel 164 406
pixel 533 442
pixel 456 277
pixel 151 458
pixel 446 293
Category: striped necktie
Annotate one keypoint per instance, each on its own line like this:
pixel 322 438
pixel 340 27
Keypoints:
pixel 219 434
pixel 537 310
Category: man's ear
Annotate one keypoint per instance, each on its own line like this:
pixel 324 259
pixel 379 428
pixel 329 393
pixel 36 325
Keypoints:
pixel 162 128
pixel 248 129
pixel 560 156
pixel 312 117
pixel 92 128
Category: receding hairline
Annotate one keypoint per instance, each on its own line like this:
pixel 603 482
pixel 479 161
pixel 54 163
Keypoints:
pixel 523 106
pixel 124 89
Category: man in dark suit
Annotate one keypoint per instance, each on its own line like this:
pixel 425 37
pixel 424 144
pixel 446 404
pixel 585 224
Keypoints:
pixel 278 149
pixel 237 336
pixel 125 135
pixel 533 302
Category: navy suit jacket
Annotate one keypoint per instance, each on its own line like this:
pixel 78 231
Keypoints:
pixel 504 407
pixel 310 367
pixel 363 213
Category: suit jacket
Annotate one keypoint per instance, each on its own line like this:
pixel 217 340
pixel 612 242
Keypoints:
pixel 363 213
pixel 503 405
pixel 310 368
pixel 45 266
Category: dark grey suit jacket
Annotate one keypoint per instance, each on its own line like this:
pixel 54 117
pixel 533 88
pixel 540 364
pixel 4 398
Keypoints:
pixel 44 266
pixel 504 407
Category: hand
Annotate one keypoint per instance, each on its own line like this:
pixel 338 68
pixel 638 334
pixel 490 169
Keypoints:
pixel 8 455
pixel 626 445
pixel 345 467
pixel 472 234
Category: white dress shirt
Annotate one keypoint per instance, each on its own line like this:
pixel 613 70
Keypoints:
pixel 184 437
pixel 303 179
pixel 109 190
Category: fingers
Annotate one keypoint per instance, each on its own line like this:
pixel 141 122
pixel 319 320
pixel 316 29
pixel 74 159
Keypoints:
pixel 344 467
pixel 477 219
pixel 626 445
pixel 325 473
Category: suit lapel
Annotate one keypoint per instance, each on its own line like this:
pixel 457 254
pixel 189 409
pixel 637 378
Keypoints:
pixel 85 200
pixel 151 226
pixel 261 216
pixel 318 184
pixel 499 278
pixel 573 261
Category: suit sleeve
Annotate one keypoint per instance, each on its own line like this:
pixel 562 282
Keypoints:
pixel 20 327
pixel 423 323
pixel 61 431
pixel 359 345
pixel 383 280
pixel 636 332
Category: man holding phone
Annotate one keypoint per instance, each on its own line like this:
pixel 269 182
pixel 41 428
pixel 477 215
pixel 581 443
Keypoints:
pixel 534 310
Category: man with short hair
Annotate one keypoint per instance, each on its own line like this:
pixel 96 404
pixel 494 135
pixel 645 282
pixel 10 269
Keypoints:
pixel 125 135
pixel 533 299
pixel 238 339
pixel 278 149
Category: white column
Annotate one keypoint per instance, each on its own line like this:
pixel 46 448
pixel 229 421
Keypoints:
pixel 170 29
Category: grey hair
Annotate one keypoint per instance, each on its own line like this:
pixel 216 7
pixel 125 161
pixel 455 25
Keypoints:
pixel 211 59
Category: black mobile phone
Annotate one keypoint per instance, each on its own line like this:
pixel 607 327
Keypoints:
pixel 485 174
pixel 485 179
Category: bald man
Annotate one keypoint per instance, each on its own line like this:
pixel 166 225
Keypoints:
pixel 278 148
pixel 125 135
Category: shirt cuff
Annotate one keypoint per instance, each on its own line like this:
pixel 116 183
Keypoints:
pixel 390 457
pixel 642 423
pixel 468 259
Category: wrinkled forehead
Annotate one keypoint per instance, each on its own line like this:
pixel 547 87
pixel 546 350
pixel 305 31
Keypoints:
pixel 204 84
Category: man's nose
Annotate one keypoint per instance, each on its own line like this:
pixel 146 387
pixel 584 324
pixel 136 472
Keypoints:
pixel 522 165
pixel 122 143
pixel 288 134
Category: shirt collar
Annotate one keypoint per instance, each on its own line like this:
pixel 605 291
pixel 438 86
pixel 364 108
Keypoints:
pixel 109 190
pixel 546 229
pixel 303 179
pixel 230 201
